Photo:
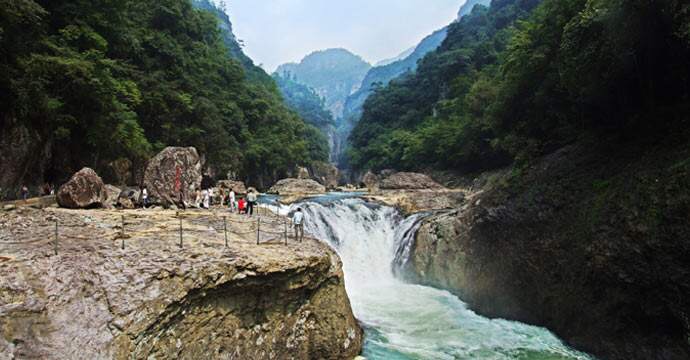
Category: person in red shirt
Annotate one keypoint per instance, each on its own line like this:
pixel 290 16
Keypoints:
pixel 241 205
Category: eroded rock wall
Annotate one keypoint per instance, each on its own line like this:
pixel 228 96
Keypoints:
pixel 592 242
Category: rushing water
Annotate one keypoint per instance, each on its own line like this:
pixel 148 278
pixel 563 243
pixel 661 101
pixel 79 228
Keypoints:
pixel 406 321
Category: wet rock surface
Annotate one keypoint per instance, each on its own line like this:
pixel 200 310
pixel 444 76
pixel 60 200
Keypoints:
pixel 412 201
pixel 297 186
pixel 84 190
pixel 593 247
pixel 156 300
pixel 325 174
pixel 162 173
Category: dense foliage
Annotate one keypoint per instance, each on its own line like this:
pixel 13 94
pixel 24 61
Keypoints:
pixel 381 75
pixel 305 101
pixel 107 79
pixel 516 81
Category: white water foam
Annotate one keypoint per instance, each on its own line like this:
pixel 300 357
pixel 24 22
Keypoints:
pixel 406 321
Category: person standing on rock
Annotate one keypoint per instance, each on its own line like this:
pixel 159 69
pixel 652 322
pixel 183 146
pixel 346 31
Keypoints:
pixel 251 202
pixel 206 199
pixel 298 223
pixel 241 205
pixel 221 193
pixel 24 192
pixel 145 197
pixel 231 200
pixel 197 198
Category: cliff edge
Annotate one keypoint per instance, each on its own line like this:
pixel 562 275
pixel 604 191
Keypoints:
pixel 156 300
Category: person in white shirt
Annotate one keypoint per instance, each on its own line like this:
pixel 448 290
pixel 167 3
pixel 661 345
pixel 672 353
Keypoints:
pixel 207 199
pixel 251 202
pixel 232 204
pixel 145 197
pixel 298 223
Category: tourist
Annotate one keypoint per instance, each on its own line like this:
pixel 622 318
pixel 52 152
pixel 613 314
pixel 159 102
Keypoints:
pixel 145 197
pixel 298 223
pixel 231 200
pixel 206 199
pixel 222 196
pixel 251 201
pixel 210 198
pixel 24 193
pixel 197 199
pixel 241 206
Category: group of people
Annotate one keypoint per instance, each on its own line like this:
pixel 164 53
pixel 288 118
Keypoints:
pixel 206 198
pixel 24 193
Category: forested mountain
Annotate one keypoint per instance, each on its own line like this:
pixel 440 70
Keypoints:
pixel 306 102
pixel 86 83
pixel 499 90
pixel 333 73
pixel 381 75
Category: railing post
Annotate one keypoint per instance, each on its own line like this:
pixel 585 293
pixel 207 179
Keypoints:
pixel 225 229
pixel 286 228
pixel 258 229
pixel 55 244
pixel 123 232
pixel 180 233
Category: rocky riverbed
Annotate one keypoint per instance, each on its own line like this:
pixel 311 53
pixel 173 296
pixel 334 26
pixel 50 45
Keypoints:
pixel 156 300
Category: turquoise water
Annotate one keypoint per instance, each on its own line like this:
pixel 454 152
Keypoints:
pixel 408 321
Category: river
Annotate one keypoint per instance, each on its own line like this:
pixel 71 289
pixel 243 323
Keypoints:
pixel 408 321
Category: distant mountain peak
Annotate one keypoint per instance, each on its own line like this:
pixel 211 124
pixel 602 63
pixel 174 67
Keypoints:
pixel 334 74
pixel 466 8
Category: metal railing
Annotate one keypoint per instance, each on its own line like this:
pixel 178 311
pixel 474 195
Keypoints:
pixel 219 225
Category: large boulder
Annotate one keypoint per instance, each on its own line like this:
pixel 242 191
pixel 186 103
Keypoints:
pixel 237 186
pixel 112 194
pixel 302 173
pixel 129 198
pixel 409 181
pixel 84 190
pixel 325 174
pixel 162 171
pixel 297 186
pixel 371 181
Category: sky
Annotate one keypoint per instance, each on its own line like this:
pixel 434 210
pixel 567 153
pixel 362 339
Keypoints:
pixel 280 31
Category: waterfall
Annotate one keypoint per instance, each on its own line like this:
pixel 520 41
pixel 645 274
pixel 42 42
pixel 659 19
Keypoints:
pixel 407 321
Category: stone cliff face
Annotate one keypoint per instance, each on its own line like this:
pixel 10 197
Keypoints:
pixel 592 243
pixel 154 300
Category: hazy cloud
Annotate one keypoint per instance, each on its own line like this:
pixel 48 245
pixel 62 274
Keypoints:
pixel 279 31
